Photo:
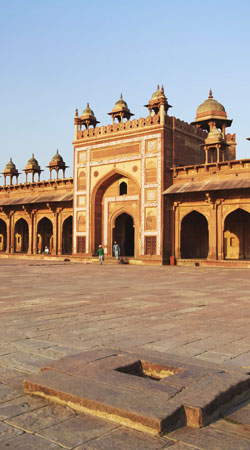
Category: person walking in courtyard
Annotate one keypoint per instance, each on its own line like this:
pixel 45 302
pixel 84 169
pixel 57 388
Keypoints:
pixel 100 252
pixel 116 250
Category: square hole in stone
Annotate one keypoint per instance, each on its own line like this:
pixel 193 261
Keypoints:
pixel 150 370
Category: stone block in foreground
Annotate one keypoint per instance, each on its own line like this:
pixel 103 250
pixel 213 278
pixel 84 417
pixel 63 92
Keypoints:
pixel 148 393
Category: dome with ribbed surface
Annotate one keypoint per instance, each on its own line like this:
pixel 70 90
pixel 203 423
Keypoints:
pixel 32 161
pixel 120 105
pixel 210 105
pixel 157 94
pixel 215 134
pixel 87 112
pixel 10 165
pixel 57 157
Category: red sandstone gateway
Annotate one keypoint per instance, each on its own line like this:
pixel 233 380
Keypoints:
pixel 160 187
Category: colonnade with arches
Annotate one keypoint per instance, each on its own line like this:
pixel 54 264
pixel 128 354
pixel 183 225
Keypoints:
pixel 218 230
pixel 32 232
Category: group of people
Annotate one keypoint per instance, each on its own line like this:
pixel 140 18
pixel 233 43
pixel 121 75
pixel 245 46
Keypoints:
pixel 116 252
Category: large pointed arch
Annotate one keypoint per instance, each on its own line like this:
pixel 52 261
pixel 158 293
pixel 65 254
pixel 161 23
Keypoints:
pixel 44 235
pixel 97 203
pixel 21 236
pixel 237 234
pixel 194 236
pixel 67 235
pixel 3 235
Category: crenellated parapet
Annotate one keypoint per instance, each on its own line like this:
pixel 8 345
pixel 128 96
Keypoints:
pixel 189 128
pixel 119 127
pixel 193 172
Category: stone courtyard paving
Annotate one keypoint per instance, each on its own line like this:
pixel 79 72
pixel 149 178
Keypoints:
pixel 54 309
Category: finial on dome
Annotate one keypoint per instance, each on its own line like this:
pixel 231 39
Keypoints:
pixel 76 115
pixel 87 104
pixel 210 94
pixel 162 89
pixel 121 97
pixel 158 87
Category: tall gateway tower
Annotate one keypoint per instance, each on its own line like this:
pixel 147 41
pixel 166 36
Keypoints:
pixel 120 173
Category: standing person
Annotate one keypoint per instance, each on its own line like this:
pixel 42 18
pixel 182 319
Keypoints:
pixel 100 252
pixel 116 250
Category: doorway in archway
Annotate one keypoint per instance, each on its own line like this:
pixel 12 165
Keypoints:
pixel 123 233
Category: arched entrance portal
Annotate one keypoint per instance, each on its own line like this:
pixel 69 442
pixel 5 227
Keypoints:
pixel 21 236
pixel 123 233
pixel 44 235
pixel 194 236
pixel 237 235
pixel 3 235
pixel 67 236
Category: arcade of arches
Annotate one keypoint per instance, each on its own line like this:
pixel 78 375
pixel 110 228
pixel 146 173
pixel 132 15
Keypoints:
pixel 202 238
pixel 30 236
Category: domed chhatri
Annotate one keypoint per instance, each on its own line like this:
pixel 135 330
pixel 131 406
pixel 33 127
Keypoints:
pixel 57 164
pixel 211 113
pixel 120 111
pixel 32 167
pixel 210 106
pixel 10 171
pixel 158 102
pixel 214 135
pixel 10 167
pixel 87 119
pixel 158 93
pixel 215 146
pixel 87 112
pixel 57 158
pixel 32 163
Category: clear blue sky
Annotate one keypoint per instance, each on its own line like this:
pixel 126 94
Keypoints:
pixel 56 55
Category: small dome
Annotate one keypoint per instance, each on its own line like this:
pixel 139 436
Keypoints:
pixel 10 165
pixel 57 157
pixel 215 134
pixel 209 105
pixel 120 104
pixel 157 94
pixel 88 111
pixel 33 161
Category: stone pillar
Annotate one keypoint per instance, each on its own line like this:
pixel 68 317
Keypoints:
pixel 162 114
pixel 8 233
pixel 30 223
pixel 177 231
pixel 55 234
pixel 59 229
pixel 212 237
pixel 76 131
pixel 34 213
pixel 12 232
pixel 220 231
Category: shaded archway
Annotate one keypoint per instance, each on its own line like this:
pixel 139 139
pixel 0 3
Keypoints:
pixel 194 236
pixel 237 235
pixel 44 235
pixel 67 236
pixel 3 235
pixel 21 236
pixel 123 233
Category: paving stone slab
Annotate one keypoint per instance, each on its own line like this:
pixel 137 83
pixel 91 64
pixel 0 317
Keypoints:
pixel 43 418
pixel 7 432
pixel 209 439
pixel 124 439
pixel 19 406
pixel 78 430
pixel 29 442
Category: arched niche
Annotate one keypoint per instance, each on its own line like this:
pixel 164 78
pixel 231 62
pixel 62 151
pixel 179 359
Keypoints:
pixel 237 235
pixel 194 236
